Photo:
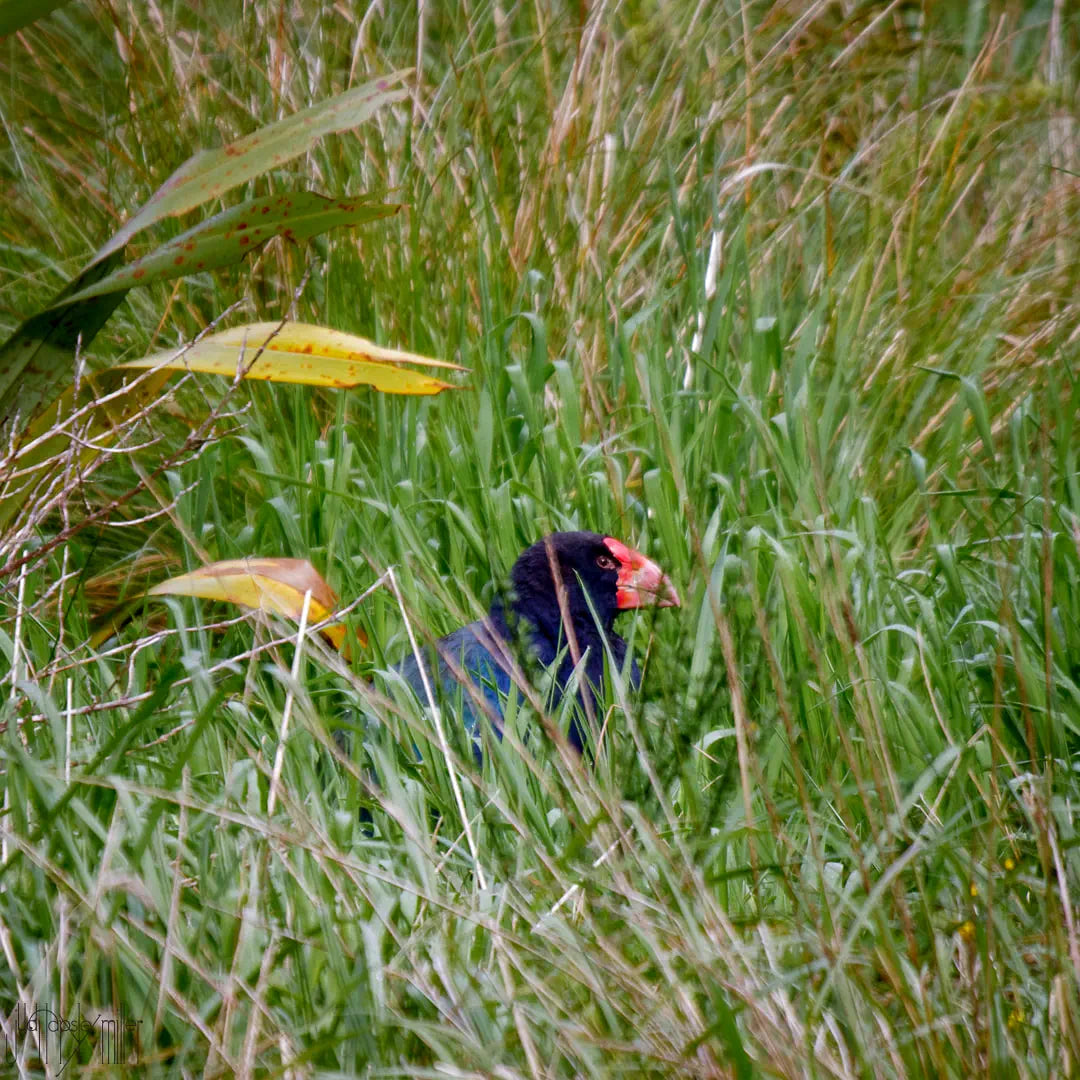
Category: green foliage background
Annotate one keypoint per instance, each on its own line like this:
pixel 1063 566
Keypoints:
pixel 784 294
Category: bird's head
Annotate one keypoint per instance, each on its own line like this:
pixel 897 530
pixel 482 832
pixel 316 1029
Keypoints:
pixel 616 577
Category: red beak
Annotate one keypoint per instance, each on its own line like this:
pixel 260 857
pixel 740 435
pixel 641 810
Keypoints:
pixel 641 583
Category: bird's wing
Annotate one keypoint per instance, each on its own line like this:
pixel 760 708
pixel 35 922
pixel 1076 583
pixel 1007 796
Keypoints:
pixel 466 666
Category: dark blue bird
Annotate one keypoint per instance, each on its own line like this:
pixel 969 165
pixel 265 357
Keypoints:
pixel 476 661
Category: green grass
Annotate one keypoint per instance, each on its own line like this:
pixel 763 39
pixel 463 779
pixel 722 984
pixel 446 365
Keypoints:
pixel 836 833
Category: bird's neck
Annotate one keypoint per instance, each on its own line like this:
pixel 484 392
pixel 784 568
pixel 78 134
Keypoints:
pixel 544 622
pixel 543 632
pixel 541 627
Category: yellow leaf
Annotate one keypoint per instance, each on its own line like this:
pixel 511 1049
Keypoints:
pixel 301 353
pixel 263 584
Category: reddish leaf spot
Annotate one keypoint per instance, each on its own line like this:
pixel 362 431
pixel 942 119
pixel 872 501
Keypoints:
pixel 136 274
pixel 308 349
pixel 245 240
pixel 232 151
pixel 242 225
pixel 178 261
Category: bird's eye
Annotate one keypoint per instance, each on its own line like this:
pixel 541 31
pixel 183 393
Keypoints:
pixel 606 562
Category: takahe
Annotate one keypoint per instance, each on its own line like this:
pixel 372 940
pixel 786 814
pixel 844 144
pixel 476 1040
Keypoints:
pixel 530 626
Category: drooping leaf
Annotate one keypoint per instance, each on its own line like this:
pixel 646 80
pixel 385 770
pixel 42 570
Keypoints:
pixel 229 236
pixel 42 351
pixel 301 353
pixel 40 354
pixel 15 14
pixel 211 173
pixel 265 584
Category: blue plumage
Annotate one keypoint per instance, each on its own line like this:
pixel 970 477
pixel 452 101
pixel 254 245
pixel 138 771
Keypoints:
pixel 468 651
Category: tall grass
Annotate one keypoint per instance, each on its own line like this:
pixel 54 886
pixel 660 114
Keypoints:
pixel 786 295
